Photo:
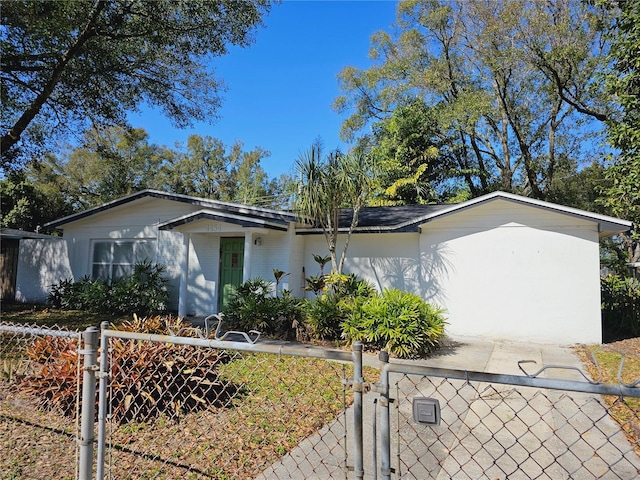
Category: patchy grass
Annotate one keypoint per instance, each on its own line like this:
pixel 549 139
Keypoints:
pixel 625 411
pixel 281 401
pixel 43 316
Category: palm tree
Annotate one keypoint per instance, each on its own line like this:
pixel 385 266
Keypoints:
pixel 279 275
pixel 322 261
pixel 327 185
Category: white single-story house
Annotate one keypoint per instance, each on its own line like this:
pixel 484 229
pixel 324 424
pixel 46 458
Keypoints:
pixel 502 265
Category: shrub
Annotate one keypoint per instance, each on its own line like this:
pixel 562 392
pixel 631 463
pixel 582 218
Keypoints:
pixel 326 313
pixel 143 292
pixel 153 379
pixel 253 307
pixel 53 383
pixel 148 379
pixel 399 322
pixel 620 307
pixel 85 294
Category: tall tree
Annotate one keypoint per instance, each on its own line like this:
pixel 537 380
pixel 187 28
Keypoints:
pixel 490 68
pixel 328 184
pixel 70 61
pixel 252 186
pixel 622 192
pixel 202 169
pixel 111 162
pixel 414 158
pixel 210 169
pixel 27 205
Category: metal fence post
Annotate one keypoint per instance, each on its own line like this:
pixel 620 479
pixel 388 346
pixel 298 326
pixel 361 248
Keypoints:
pixel 358 386
pixel 385 424
pixel 102 402
pixel 90 350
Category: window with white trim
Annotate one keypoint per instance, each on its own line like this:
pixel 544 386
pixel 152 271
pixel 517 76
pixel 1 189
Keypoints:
pixel 114 259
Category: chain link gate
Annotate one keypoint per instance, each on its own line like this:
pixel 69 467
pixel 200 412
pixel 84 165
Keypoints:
pixel 442 423
pixel 194 407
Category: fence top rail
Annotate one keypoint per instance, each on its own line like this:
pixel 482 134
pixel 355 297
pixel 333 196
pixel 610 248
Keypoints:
pixel 515 380
pixel 43 331
pixel 266 346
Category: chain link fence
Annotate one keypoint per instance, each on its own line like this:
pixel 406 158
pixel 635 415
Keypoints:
pixel 40 385
pixel 195 411
pixel 490 430
pixel 196 407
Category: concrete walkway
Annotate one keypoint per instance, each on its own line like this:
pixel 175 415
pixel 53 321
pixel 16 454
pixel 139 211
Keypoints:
pixel 487 431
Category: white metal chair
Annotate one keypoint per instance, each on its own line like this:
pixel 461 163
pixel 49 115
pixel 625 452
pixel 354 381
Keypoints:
pixel 251 336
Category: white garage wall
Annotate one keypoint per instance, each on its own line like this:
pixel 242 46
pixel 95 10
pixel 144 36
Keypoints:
pixel 518 272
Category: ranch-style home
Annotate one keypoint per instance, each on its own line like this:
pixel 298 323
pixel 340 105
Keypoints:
pixel 502 265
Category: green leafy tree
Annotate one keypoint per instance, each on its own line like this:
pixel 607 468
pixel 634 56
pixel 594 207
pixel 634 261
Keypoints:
pixel 210 169
pixel 328 184
pixel 68 62
pixel 514 83
pixel 27 205
pixel 112 162
pixel 414 158
pixel 252 184
pixel 202 170
pixel 621 194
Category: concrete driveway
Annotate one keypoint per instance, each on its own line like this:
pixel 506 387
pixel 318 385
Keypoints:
pixel 488 431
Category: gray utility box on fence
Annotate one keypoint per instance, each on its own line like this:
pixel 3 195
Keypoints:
pixel 426 411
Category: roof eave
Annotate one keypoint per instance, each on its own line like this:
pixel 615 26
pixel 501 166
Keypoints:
pixel 241 209
pixel 227 218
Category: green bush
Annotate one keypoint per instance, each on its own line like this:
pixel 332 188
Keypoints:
pixel 253 307
pixel 396 321
pixel 143 292
pixel 326 313
pixel 620 307
pixel 86 294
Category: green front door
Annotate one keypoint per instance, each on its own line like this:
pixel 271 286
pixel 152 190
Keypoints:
pixel 231 268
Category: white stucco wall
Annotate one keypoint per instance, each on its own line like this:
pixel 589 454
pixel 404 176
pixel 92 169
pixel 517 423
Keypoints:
pixel 41 264
pixel 386 260
pixel 518 272
pixel 204 257
pixel 273 252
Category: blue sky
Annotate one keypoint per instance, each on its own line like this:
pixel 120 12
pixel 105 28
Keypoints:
pixel 280 89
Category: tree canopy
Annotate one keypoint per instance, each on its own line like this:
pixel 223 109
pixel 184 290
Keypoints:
pixel 112 162
pixel 70 63
pixel 621 194
pixel 515 85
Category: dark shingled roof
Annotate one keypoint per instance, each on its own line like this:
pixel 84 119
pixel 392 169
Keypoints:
pixel 402 218
pixel 19 234
pixel 388 216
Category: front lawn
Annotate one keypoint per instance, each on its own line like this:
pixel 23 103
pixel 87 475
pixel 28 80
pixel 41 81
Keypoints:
pixel 43 316
pixel 281 400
